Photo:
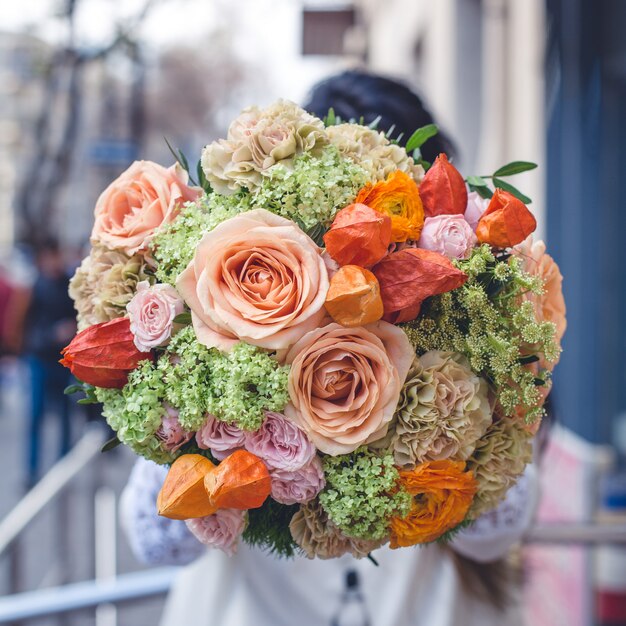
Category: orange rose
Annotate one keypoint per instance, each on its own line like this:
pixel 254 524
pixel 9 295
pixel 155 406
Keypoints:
pixel 133 206
pixel 398 197
pixel 345 383
pixel 444 493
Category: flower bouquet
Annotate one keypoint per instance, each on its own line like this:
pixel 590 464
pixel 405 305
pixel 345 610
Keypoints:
pixel 334 344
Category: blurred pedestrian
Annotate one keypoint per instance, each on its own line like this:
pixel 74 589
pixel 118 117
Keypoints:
pixel 50 325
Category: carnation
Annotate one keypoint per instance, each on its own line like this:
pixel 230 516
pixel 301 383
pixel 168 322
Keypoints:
pixel 498 461
pixel 444 410
pixel 298 486
pixel 104 284
pixel 280 443
pixel 221 530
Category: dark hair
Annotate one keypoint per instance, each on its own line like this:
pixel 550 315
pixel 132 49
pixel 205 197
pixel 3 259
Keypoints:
pixel 356 94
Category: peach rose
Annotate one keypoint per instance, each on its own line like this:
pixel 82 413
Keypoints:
pixel 550 306
pixel 345 383
pixel 133 206
pixel 258 278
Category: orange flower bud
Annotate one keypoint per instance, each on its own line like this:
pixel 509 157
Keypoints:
pixel 353 298
pixel 183 495
pixel 443 189
pixel 240 481
pixel 104 354
pixel 399 198
pixel 506 222
pixel 358 236
pixel 410 276
pixel 445 493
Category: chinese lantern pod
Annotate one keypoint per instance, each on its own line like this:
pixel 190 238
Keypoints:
pixel 240 481
pixel 183 495
pixel 443 189
pixel 353 298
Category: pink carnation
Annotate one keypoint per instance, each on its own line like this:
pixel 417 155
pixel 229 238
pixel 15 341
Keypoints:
pixel 219 437
pixel 220 530
pixel 152 311
pixel 476 206
pixel 171 433
pixel 299 486
pixel 280 443
pixel 450 235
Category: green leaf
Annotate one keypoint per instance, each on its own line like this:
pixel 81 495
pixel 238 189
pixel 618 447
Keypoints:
pixel 110 444
pixel 330 119
pixel 539 382
pixel 420 136
pixel 515 167
pixel 204 183
pixel 87 400
pixel 373 125
pixel 183 318
pixel 501 184
pixel 68 391
pixel 181 159
pixel 316 233
pixel 531 358
pixel 483 192
pixel 477 181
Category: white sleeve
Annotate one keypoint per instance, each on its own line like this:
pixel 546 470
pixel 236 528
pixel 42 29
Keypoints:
pixel 494 533
pixel 153 539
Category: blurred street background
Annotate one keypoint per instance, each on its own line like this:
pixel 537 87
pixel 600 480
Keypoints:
pixel 88 86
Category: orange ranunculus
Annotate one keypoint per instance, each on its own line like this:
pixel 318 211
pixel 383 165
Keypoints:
pixel 104 354
pixel 443 189
pixel 399 198
pixel 409 276
pixel 444 493
pixel 353 298
pixel 359 235
pixel 506 222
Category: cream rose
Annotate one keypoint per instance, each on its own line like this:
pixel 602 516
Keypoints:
pixel 134 205
pixel 258 278
pixel 345 383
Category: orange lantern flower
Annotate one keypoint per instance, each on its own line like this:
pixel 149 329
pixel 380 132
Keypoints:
pixel 353 298
pixel 358 236
pixel 183 495
pixel 443 189
pixel 410 276
pixel 443 493
pixel 399 198
pixel 104 354
pixel 506 222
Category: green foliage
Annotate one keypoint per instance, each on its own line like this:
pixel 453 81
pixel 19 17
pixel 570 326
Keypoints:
pixel 361 493
pixel 515 167
pixel 502 184
pixel 268 528
pixel 421 136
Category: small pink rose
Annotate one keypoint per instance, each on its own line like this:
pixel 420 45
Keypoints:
pixel 299 486
pixel 476 206
pixel 152 311
pixel 221 530
pixel 172 435
pixel 449 235
pixel 280 443
pixel 220 437
pixel 132 207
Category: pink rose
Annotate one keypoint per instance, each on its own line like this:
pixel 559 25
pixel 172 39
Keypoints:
pixel 345 383
pixel 258 278
pixel 133 206
pixel 299 486
pixel 476 206
pixel 449 235
pixel 220 437
pixel 172 435
pixel 220 530
pixel 280 443
pixel 152 311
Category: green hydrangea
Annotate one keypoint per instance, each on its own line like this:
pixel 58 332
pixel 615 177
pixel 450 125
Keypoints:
pixel 235 387
pixel 361 494
pixel 487 321
pixel 136 411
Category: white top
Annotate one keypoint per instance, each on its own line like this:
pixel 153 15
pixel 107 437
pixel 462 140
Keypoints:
pixel 411 587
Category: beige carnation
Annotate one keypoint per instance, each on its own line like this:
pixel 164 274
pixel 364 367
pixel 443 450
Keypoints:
pixel 498 461
pixel 257 140
pixel 320 538
pixel 104 284
pixel 373 151
pixel 444 410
